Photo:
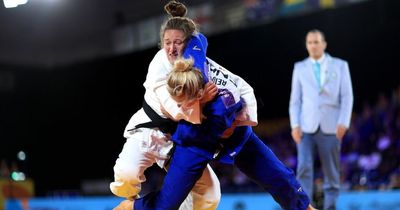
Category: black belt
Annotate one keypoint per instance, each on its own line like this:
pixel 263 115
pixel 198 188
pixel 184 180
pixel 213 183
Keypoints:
pixel 164 124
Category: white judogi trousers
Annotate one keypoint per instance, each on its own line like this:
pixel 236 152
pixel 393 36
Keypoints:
pixel 142 149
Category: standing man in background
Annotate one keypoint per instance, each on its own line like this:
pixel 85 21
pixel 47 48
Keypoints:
pixel 320 109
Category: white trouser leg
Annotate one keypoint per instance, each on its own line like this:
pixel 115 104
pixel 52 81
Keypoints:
pixel 205 194
pixel 141 150
pixel 187 204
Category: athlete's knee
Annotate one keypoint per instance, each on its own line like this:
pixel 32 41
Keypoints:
pixel 213 200
pixel 127 180
pixel 129 173
pixel 208 199
pixel 206 203
pixel 214 195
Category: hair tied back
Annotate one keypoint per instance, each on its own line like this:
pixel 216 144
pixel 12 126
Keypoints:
pixel 175 9
pixel 183 65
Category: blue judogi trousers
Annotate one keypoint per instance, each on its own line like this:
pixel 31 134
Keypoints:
pixel 255 160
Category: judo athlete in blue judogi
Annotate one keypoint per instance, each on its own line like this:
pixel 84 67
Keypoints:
pixel 198 144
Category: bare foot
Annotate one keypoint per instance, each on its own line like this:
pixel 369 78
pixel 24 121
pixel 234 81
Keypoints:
pixel 125 205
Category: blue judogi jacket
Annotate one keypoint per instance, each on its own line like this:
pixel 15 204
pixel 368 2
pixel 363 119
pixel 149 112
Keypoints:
pixel 205 138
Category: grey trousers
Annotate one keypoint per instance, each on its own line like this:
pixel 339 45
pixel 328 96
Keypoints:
pixel 328 148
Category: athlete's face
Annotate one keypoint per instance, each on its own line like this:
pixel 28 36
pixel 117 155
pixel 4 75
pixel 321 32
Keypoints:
pixel 173 43
pixel 315 45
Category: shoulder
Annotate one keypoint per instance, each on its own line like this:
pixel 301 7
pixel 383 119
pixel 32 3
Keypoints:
pixel 160 62
pixel 337 60
pixel 214 65
pixel 212 62
pixel 301 64
pixel 159 56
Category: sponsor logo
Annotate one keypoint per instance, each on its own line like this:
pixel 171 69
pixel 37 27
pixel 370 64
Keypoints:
pixel 196 48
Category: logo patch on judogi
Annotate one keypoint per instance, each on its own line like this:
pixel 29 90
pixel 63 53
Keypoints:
pixel 227 97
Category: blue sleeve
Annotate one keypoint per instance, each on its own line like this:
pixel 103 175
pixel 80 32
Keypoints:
pixel 196 48
pixel 219 115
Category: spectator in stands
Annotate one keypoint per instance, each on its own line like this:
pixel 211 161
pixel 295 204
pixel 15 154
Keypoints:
pixel 395 180
pixel 4 169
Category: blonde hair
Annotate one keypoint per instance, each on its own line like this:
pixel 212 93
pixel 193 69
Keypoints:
pixel 185 80
pixel 177 20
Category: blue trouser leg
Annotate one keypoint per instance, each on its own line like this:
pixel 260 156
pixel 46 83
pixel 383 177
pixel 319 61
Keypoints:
pixel 260 164
pixel 185 169
pixel 305 163
pixel 329 152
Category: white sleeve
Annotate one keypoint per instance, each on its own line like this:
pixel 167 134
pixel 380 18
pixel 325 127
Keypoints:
pixel 157 73
pixel 248 114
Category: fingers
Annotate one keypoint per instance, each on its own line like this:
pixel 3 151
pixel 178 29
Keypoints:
pixel 210 91
pixel 340 132
pixel 296 134
pixel 211 88
pixel 339 135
